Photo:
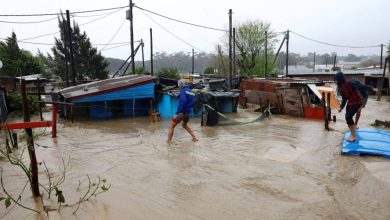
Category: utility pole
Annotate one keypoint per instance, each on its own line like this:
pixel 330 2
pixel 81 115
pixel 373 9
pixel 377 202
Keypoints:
pixel 381 56
pixel 130 17
pixel 230 49
pixel 287 43
pixel 266 54
pixel 71 47
pixel 193 65
pixel 314 63
pixel 234 50
pixel 66 56
pixel 334 61
pixel 143 59
pixel 151 52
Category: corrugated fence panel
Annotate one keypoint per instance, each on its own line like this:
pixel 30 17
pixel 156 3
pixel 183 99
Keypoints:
pixel 137 92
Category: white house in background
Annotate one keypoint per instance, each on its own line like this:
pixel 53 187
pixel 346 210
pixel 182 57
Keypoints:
pixel 348 65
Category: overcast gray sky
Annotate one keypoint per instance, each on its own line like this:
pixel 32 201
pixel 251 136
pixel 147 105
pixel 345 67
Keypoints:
pixel 342 22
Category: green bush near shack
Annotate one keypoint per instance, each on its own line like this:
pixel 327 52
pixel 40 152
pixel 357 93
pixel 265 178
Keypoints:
pixel 16 103
pixel 170 73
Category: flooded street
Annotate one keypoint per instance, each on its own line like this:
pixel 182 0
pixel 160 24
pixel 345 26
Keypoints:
pixel 282 168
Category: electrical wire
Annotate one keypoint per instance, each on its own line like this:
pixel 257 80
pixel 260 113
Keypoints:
pixel 39 36
pixel 50 44
pixel 28 22
pixel 184 22
pixel 100 17
pixel 115 47
pixel 334 45
pixel 182 40
pixel 49 34
pixel 117 31
pixel 50 14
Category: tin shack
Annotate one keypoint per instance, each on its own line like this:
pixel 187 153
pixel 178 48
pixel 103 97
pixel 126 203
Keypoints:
pixel 116 97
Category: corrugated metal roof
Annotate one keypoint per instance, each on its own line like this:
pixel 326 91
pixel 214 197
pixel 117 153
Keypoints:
pixel 105 86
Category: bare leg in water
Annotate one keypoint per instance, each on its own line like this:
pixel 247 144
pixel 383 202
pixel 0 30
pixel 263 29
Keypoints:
pixel 189 130
pixel 352 128
pixel 357 117
pixel 171 130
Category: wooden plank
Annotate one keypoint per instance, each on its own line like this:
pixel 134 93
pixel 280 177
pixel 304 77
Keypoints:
pixel 23 125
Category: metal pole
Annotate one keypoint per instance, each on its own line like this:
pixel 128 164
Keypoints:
pixel 314 63
pixel 381 55
pixel 234 50
pixel 266 54
pixel 66 56
pixel 230 49
pixel 71 48
pixel 143 58
pixel 380 83
pixel 132 36
pixel 151 52
pixel 287 44
pixel 193 65
pixel 39 98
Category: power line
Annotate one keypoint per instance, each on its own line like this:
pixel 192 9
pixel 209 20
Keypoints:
pixel 115 47
pixel 97 10
pixel 117 31
pixel 28 22
pixel 96 19
pixel 44 35
pixel 334 45
pixel 39 36
pixel 50 14
pixel 184 22
pixel 192 46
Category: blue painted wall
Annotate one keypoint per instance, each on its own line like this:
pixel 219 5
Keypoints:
pixel 96 104
pixel 167 106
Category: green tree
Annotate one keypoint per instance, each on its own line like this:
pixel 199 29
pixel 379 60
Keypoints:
pixel 138 70
pixel 250 43
pixel 17 61
pixel 209 70
pixel 171 73
pixel 369 62
pixel 89 63
pixel 352 58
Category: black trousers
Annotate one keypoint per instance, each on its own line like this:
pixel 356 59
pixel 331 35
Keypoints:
pixel 351 111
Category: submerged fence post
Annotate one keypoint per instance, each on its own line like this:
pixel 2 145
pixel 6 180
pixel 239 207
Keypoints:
pixel 328 106
pixel 30 143
pixel 54 121
pixel 323 100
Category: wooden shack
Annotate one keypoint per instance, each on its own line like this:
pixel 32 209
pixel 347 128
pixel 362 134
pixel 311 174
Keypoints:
pixel 291 96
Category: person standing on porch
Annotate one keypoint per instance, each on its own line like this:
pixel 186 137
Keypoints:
pixel 186 103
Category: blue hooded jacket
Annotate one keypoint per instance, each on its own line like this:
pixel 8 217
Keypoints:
pixel 186 101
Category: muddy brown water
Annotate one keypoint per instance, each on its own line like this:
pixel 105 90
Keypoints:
pixel 282 168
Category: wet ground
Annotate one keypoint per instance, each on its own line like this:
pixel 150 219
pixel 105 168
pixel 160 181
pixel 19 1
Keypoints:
pixel 282 168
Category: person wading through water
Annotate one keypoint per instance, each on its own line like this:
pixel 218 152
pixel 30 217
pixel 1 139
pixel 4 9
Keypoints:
pixel 364 90
pixel 355 101
pixel 186 103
